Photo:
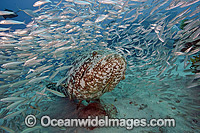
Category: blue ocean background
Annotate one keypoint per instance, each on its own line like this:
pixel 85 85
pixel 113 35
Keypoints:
pixel 14 5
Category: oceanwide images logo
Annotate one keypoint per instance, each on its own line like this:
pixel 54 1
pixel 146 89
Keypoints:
pixel 46 121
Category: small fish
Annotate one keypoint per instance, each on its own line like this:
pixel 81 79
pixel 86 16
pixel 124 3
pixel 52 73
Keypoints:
pixel 32 61
pixel 33 129
pixel 188 50
pixel 4 29
pixel 162 71
pixel 107 2
pixel 56 93
pixel 41 2
pixel 60 81
pixel 54 10
pixel 62 49
pixel 53 75
pixel 194 51
pixel 77 19
pixel 42 68
pixel 63 68
pixel 19 83
pixel 14 114
pixel 3 113
pixel 11 22
pixel 180 14
pixel 4 86
pixel 188 3
pixel 14 105
pixel 12 99
pixel 7 129
pixel 187 70
pixel 11 15
pixel 6 13
pixel 81 2
pixel 18 93
pixel 195 84
pixel 101 18
pixel 179 53
pixel 36 80
pixel 92 11
pixel 11 64
pixel 173 5
pixel 197 33
pixel 11 72
pixel 30 13
pixel 159 37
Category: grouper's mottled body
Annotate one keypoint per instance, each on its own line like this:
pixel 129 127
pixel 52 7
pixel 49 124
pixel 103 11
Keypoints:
pixel 94 74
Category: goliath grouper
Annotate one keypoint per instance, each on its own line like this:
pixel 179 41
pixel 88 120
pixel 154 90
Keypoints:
pixel 92 75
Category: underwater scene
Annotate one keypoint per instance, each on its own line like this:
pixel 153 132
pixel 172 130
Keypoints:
pixel 78 66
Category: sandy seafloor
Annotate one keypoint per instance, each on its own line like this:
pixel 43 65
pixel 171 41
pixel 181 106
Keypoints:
pixel 141 95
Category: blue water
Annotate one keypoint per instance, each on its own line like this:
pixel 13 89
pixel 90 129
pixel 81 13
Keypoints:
pixel 14 5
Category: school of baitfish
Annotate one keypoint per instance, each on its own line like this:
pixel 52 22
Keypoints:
pixel 140 37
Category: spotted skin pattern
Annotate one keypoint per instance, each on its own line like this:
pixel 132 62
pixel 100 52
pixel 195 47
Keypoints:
pixel 95 74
